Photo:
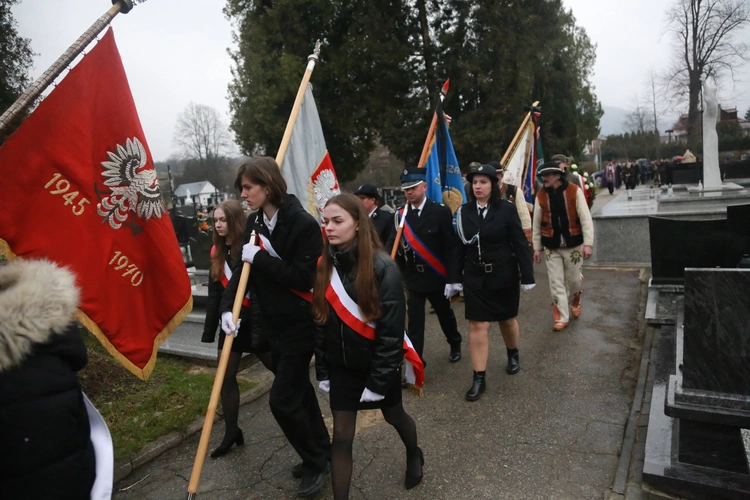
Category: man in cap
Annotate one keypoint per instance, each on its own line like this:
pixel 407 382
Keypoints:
pixel 564 231
pixel 564 162
pixel 510 192
pixel 369 195
pixel 427 250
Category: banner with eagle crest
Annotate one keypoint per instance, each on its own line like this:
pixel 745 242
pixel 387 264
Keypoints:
pixel 79 188
pixel 307 167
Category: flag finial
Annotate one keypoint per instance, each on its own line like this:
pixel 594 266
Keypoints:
pixel 316 52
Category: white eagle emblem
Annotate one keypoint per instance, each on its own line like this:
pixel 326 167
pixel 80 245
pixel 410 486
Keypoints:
pixel 324 186
pixel 133 186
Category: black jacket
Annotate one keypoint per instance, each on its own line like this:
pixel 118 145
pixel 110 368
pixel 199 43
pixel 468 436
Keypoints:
pixel 339 346
pixel 503 245
pixel 383 222
pixel 298 240
pixel 213 306
pixel 44 426
pixel 434 228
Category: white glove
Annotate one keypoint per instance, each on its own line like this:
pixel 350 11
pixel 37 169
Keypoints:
pixel 370 397
pixel 526 288
pixel 452 289
pixel 325 385
pixel 228 325
pixel 248 252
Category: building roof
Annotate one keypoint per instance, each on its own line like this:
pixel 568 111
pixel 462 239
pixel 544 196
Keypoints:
pixel 194 187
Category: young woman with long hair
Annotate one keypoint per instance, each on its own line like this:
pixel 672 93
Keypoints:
pixel 283 272
pixel 229 222
pixel 361 372
pixel 494 254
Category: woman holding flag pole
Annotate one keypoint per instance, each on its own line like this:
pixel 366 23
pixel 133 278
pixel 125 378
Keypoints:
pixel 284 265
pixel 359 299
pixel 229 223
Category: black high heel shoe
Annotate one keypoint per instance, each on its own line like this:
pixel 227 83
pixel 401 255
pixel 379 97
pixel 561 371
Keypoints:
pixel 411 481
pixel 225 445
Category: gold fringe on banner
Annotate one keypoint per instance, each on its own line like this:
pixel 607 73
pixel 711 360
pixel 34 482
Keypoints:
pixel 90 325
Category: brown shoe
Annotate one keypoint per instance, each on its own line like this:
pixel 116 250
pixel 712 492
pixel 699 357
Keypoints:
pixel 559 325
pixel 575 309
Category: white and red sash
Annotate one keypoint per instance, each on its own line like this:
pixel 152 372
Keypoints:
pixel 265 244
pixel 349 312
pixel 228 276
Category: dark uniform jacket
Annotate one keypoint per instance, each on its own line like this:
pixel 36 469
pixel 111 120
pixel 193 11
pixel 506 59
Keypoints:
pixel 213 306
pixel 383 223
pixel 45 442
pixel 493 260
pixel 434 228
pixel 341 347
pixel 298 240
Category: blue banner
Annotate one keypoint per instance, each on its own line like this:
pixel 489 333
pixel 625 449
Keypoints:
pixel 443 173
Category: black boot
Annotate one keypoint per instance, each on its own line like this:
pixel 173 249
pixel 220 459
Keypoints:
pixel 226 444
pixel 513 365
pixel 477 387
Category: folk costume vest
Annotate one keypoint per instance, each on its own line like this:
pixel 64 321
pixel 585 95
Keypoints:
pixel 348 311
pixel 561 226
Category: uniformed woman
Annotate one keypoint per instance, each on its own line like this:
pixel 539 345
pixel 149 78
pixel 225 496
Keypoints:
pixel 494 253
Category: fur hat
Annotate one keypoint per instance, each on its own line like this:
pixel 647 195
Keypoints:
pixel 38 300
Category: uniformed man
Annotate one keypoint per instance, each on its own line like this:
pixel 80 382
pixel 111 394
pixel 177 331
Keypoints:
pixel 512 194
pixel 426 251
pixel 369 195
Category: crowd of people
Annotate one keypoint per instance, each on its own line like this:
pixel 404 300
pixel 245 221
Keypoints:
pixel 631 174
pixel 340 296
pixel 337 295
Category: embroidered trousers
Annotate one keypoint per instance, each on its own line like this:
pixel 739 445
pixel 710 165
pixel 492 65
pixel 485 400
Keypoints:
pixel 564 271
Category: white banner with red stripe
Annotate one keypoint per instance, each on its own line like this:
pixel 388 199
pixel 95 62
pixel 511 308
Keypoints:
pixel 349 312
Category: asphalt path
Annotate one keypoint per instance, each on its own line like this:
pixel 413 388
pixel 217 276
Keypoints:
pixel 553 431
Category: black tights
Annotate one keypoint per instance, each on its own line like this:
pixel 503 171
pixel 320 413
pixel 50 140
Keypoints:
pixel 344 425
pixel 230 398
pixel 230 393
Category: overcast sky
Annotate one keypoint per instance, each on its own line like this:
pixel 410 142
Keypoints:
pixel 175 51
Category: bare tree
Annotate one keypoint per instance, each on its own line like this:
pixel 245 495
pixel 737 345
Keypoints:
pixel 654 98
pixel 201 134
pixel 204 142
pixel 704 35
pixel 639 119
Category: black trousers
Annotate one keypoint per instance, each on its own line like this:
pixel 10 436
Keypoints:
pixel 415 311
pixel 295 406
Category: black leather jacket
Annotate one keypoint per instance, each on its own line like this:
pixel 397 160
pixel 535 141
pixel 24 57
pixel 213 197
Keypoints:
pixel 339 346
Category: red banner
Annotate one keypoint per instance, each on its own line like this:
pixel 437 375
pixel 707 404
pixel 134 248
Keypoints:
pixel 79 188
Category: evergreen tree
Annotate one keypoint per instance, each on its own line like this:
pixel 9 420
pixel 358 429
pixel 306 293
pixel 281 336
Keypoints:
pixel 16 59
pixel 383 62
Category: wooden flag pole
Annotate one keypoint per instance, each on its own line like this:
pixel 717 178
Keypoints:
pixel 512 145
pixel 200 456
pixel 35 90
pixel 433 126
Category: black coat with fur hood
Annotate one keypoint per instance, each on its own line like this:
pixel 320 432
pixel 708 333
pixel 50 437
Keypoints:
pixel 44 427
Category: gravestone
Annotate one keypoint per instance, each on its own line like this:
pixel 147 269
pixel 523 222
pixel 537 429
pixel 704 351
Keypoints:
pixel 701 394
pixel 200 250
pixel 738 219
pixel 713 352
pixel 680 243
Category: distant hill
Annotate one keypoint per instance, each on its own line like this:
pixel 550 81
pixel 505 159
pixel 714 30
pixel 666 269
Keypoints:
pixel 615 119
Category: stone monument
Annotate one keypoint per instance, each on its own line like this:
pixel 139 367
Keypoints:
pixel 711 173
